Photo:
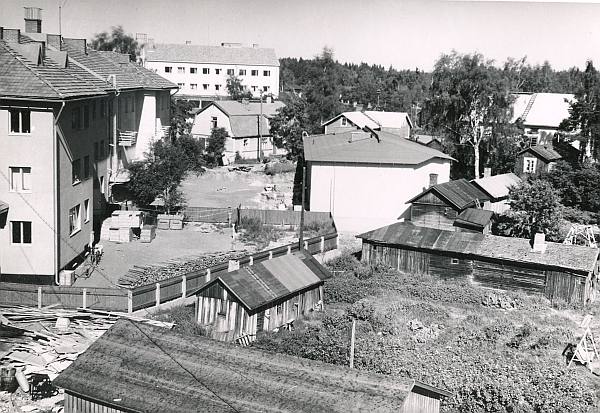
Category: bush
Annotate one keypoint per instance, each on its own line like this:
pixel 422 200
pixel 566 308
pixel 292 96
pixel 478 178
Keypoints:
pixel 274 168
pixel 183 317
pixel 255 231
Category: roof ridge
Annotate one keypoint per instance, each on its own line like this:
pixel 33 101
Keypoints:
pixel 22 60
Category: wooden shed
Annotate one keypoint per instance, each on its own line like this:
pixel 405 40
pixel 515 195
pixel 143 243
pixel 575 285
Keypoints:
pixel 261 297
pixel 497 188
pixel 439 205
pixel 136 367
pixel 558 271
pixel 536 159
pixel 474 220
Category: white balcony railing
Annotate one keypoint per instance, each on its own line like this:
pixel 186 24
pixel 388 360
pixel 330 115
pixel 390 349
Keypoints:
pixel 127 138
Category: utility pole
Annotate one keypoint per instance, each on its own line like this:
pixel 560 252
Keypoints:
pixel 301 232
pixel 352 337
pixel 260 129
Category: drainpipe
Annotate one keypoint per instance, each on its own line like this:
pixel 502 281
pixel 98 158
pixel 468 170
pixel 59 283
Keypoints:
pixel 115 138
pixel 55 182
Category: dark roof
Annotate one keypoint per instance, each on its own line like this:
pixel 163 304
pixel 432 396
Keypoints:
pixel 497 186
pixel 263 283
pixel 3 207
pixel 459 193
pixel 128 368
pixel 363 147
pixel 426 139
pixel 473 218
pixel 212 54
pixel 546 153
pixel 574 258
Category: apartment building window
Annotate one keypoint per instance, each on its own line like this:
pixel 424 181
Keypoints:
pixel 193 86
pixel 20 121
pixel 213 122
pixel 205 86
pixel 75 219
pixel 86 116
pixel 254 88
pixel 20 179
pixel 230 72
pixel 193 70
pixel 76 171
pixel 76 118
pixel 254 73
pixel 181 85
pixel 86 210
pixel 21 232
pixel 217 87
pixel 266 73
pixel 86 167
pixel 94 110
pixel 242 72
pixel 266 88
pixel 433 179
pixel 529 165
pixel 181 70
pixel 168 69
pixel 205 71
pixel 218 71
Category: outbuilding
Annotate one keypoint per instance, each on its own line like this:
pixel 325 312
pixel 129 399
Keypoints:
pixel 497 188
pixel 135 367
pixel 558 271
pixel 536 159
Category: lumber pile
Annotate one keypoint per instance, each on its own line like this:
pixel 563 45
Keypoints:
pixel 143 275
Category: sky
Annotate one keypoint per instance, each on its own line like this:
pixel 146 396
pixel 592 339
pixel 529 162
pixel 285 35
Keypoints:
pixel 403 33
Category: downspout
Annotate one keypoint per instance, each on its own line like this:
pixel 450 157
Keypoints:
pixel 114 164
pixel 55 188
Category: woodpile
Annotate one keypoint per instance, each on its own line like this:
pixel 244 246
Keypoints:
pixel 143 275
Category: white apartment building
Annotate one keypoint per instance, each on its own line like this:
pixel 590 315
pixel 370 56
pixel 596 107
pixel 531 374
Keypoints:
pixel 201 72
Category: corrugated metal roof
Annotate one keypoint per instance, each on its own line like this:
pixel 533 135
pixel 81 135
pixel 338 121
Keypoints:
pixel 497 186
pixel 360 147
pixel 263 283
pixel 460 193
pixel 212 54
pixel 473 217
pixel 131 367
pixel 546 153
pixel 570 257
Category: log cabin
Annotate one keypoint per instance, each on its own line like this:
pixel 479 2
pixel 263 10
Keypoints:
pixel 536 160
pixel 135 367
pixel 557 271
pixel 261 297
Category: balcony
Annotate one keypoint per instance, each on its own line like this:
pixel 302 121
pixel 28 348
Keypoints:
pixel 127 138
pixel 162 132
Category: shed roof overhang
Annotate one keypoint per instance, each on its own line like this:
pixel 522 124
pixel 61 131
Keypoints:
pixel 3 213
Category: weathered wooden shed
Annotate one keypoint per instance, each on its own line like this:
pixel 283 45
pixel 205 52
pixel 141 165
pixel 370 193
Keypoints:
pixel 136 367
pixel 439 205
pixel 474 220
pixel 261 297
pixel 536 159
pixel 558 271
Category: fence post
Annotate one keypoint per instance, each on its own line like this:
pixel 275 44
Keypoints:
pixel 84 303
pixel 270 255
pixel 337 241
pixel 289 251
pixel 251 262
pixel 129 301
pixel 306 245
pixel 322 245
pixel 39 297
pixel 157 294
pixel 183 286
pixel 208 274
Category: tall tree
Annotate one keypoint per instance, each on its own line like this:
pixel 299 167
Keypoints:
pixel 468 98
pixel 288 124
pixel 236 89
pixel 116 41
pixel 181 115
pixel 216 146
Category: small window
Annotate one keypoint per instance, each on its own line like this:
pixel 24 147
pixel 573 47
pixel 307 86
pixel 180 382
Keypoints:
pixel 193 70
pixel 344 121
pixel 86 210
pixel 76 171
pixel 433 179
pixel 181 70
pixel 217 87
pixel 20 179
pixel 181 85
pixel 242 72
pixel 205 86
pixel 20 121
pixel 205 71
pixel 453 261
pixel 230 72
pixel 86 167
pixel 529 165
pixel 168 69
pixel 245 142
pixel 86 116
pixel 254 88
pixel 213 122
pixel 254 72
pixel 266 73
pixel 222 308
pixel 193 86
pixel 218 71
pixel 74 219
pixel 21 232
pixel 266 88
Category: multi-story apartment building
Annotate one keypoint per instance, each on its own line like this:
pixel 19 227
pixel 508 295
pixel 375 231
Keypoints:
pixel 70 118
pixel 201 72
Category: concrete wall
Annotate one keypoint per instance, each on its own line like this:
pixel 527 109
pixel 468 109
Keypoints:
pixel 364 197
pixel 253 83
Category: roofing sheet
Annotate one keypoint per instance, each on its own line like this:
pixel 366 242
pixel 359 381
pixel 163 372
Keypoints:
pixel 359 147
pixel 137 366
pixel 460 193
pixel 235 108
pixel 497 186
pixel 570 257
pixel 548 109
pixel 212 54
pixel 546 153
pixel 389 119
pixel 474 217
pixel 247 126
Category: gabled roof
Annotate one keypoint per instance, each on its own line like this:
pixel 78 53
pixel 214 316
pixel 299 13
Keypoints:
pixel 235 108
pixel 542 109
pixel 497 186
pixel 142 368
pixel 247 126
pixel 426 139
pixel 364 148
pixel 474 218
pixel 459 193
pixel 263 283
pixel 574 258
pixel 212 54
pixel 374 119
pixel 546 153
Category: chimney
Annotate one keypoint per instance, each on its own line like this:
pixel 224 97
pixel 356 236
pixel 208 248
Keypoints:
pixel 487 172
pixel 11 35
pixel 539 243
pixel 33 20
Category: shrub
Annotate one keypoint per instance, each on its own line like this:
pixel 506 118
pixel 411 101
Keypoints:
pixel 255 231
pixel 183 317
pixel 274 168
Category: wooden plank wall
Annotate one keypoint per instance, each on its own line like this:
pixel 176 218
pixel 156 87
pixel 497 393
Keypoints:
pixel 74 404
pixel 568 287
pixel 508 277
pixel 434 216
pixel 420 403
pixel 449 267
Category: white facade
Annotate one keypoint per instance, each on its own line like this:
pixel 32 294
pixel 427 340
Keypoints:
pixel 365 196
pixel 210 79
